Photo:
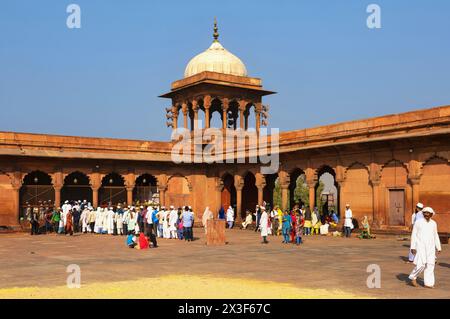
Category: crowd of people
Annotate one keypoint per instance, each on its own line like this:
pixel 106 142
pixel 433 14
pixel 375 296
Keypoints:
pixel 293 224
pixel 151 221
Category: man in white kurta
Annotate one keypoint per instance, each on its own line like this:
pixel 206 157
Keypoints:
pixel 264 225
pixel 417 215
pixel 424 243
pixel 230 217
pixel 173 218
pixel 348 223
pixel 166 231
pixel 110 221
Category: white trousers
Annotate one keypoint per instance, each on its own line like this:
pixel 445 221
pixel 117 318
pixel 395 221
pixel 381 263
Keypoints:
pixel 428 274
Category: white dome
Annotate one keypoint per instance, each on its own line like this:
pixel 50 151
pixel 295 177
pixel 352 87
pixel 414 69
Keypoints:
pixel 216 59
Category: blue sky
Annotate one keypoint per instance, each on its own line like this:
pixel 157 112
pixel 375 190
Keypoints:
pixel 326 65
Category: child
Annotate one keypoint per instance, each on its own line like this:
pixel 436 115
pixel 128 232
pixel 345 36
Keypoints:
pixel 131 240
pixel 180 228
pixel 299 229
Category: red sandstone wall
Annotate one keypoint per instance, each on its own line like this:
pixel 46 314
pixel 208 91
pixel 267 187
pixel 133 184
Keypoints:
pixel 7 209
pixel 358 192
pixel 435 190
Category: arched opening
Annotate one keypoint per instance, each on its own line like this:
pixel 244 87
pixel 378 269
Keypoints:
pixel 145 190
pixel 249 194
pixel 249 117
pixel 76 187
pixel 216 114
pixel 434 189
pixel 357 191
pixel 228 196
pixel 178 193
pixel 327 191
pixel 298 189
pixel 112 191
pixel 37 191
pixel 233 115
pixel 272 191
pixel 394 177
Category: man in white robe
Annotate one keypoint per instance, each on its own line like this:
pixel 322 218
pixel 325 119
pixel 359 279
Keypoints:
pixel 230 217
pixel 424 244
pixel 348 221
pixel 166 231
pixel 110 219
pixel 207 215
pixel 173 218
pixel 84 220
pixel 416 216
pixel 264 225
pixel 98 226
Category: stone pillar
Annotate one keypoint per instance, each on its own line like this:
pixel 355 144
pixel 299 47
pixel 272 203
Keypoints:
pixel 415 184
pixel 375 181
pixel 284 196
pixel 225 105
pixel 242 105
pixel 239 204
pixel 162 194
pixel 57 189
pixel 195 109
pixel 129 195
pixel 207 106
pixel 184 109
pixel 311 181
pixel 258 121
pixel 175 117
pixel 219 189
pixel 95 196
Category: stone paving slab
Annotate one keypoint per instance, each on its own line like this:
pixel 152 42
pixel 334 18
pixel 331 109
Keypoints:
pixel 321 262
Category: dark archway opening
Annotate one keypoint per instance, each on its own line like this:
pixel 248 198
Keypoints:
pixel 112 191
pixel 228 196
pixel 249 194
pixel 271 192
pixel 76 187
pixel 146 189
pixel 36 191
pixel 327 191
pixel 298 190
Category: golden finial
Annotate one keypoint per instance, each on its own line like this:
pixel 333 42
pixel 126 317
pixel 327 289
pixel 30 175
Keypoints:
pixel 215 34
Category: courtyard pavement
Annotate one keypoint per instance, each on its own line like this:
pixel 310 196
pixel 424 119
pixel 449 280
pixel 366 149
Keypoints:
pixel 320 263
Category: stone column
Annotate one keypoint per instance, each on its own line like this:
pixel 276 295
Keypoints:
pixel 185 115
pixel 312 195
pixel 242 105
pixel 219 189
pixel 195 109
pixel 95 196
pixel 239 185
pixel 129 195
pixel 225 105
pixel 57 189
pixel 175 117
pixel 258 121
pixel 207 106
pixel 284 196
pixel 376 203
pixel 415 184
pixel 162 195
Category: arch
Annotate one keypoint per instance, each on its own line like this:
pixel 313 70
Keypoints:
pixel 296 184
pixel 228 195
pixel 112 190
pixel 394 180
pixel 434 189
pixel 327 199
pixel 272 191
pixel 249 116
pixel 216 114
pixel 178 191
pixel 433 158
pixel 146 189
pixel 37 190
pixel 357 191
pixel 233 114
pixel 76 187
pixel 249 193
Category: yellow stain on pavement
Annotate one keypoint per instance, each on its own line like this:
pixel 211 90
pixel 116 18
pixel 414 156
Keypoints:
pixel 178 287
